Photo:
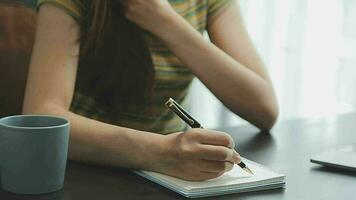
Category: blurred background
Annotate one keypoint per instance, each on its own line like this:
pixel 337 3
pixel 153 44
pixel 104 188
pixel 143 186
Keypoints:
pixel 309 47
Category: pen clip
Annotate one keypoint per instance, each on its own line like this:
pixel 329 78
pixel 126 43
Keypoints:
pixel 172 106
pixel 176 108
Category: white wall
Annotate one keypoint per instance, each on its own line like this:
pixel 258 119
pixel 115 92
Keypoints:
pixel 309 47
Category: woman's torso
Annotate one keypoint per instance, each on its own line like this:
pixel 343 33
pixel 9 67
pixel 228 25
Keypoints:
pixel 172 78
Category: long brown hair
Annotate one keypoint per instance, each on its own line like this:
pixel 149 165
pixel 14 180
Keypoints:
pixel 115 63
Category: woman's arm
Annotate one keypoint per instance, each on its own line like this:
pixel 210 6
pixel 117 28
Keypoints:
pixel 193 155
pixel 50 88
pixel 228 32
pixel 231 68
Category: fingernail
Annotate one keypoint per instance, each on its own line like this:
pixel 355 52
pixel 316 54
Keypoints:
pixel 232 144
pixel 237 157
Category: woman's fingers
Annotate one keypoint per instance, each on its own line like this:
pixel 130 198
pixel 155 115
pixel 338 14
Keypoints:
pixel 218 153
pixel 215 138
pixel 200 154
pixel 215 166
pixel 212 169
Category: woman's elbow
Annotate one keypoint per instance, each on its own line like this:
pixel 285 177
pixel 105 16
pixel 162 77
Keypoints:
pixel 268 116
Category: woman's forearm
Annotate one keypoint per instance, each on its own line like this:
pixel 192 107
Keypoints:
pixel 246 92
pixel 96 142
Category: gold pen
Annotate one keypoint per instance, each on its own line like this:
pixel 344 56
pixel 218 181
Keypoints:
pixel 178 110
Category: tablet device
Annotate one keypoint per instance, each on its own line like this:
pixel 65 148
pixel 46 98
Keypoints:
pixel 344 158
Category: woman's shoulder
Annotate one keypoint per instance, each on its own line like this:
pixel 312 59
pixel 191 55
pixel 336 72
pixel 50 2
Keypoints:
pixel 209 6
pixel 199 12
pixel 75 8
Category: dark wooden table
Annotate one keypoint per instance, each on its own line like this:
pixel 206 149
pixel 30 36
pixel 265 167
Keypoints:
pixel 286 150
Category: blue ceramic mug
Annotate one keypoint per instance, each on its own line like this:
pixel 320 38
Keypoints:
pixel 33 153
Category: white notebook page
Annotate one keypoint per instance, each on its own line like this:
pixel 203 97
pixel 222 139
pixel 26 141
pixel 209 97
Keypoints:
pixel 237 177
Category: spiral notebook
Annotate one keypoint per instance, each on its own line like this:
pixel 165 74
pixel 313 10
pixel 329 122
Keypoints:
pixel 235 181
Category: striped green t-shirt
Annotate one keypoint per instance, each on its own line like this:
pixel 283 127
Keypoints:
pixel 172 78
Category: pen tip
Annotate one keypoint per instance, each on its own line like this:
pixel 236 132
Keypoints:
pixel 248 170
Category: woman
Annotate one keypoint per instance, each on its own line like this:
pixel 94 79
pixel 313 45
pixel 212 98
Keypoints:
pixel 109 66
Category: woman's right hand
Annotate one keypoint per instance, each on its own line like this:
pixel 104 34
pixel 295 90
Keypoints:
pixel 197 154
